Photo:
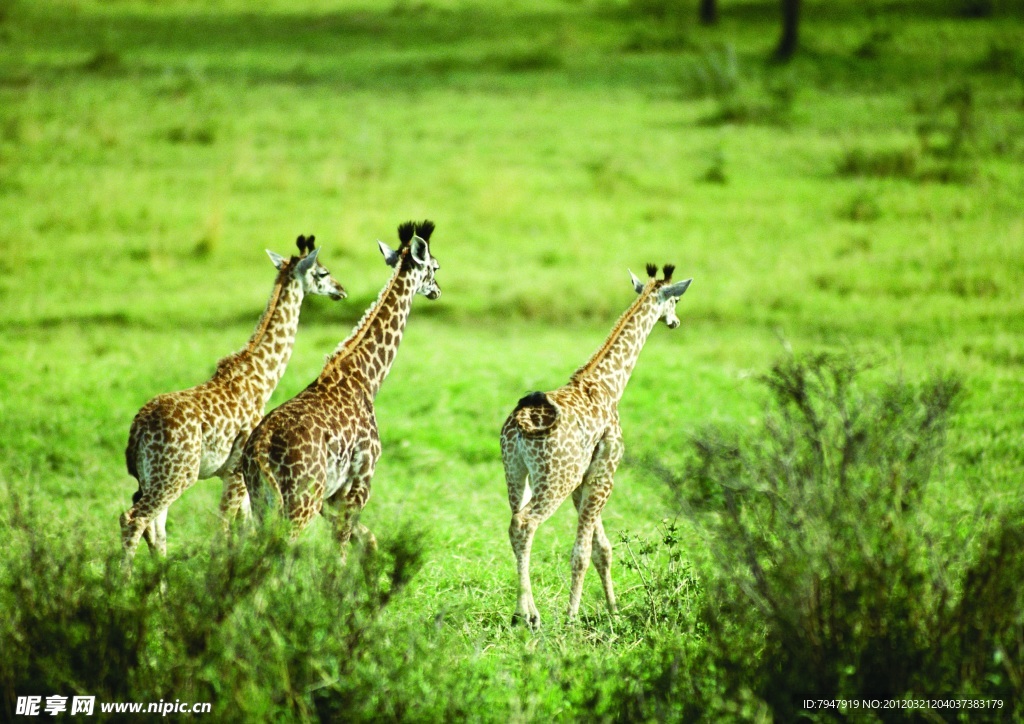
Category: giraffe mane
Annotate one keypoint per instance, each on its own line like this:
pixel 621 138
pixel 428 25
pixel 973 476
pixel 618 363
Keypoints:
pixel 620 324
pixel 406 231
pixel 351 343
pixel 268 313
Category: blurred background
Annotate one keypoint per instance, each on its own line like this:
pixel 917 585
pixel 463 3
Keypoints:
pixel 821 165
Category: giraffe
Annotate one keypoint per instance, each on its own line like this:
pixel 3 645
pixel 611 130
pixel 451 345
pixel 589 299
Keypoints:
pixel 317 452
pixel 569 442
pixel 180 437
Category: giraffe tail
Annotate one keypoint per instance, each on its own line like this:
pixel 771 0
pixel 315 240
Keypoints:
pixel 131 454
pixel 131 450
pixel 535 415
pixel 261 484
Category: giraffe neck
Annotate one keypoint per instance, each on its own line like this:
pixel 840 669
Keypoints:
pixel 613 362
pixel 367 354
pixel 264 358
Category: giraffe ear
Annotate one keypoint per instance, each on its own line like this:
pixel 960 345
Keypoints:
pixel 418 249
pixel 306 263
pixel 674 290
pixel 638 285
pixel 390 255
pixel 276 258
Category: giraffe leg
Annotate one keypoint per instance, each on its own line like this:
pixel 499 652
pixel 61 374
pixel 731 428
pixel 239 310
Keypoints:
pixel 366 538
pixel 350 499
pixel 149 535
pixel 132 530
pixel 345 525
pixel 602 557
pixel 594 492
pixel 516 479
pixel 600 554
pixel 521 532
pixel 234 499
pixel 151 525
pixel 580 559
pixel 159 545
pixel 515 472
pixel 166 481
pixel 159 528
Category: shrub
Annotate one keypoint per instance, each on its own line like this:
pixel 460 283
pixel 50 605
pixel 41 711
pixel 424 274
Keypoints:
pixel 975 8
pixel 829 580
pixel 260 628
pixel 948 129
pixel 882 163
pixel 715 172
pixel 861 207
pixel 104 61
pixel 671 588
pixel 716 74
pixel 947 148
pixel 872 47
pixel 1002 58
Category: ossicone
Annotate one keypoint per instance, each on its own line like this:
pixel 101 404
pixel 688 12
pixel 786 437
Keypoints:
pixel 424 229
pixel 406 232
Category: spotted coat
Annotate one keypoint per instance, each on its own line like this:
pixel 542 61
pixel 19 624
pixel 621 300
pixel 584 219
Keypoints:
pixel 316 453
pixel 180 437
pixel 568 442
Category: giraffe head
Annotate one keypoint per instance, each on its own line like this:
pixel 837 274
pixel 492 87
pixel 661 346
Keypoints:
pixel 414 256
pixel 663 293
pixel 313 276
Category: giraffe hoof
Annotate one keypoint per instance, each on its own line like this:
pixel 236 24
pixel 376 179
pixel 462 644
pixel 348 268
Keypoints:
pixel 532 621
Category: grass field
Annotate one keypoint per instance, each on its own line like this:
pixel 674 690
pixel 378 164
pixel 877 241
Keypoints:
pixel 867 197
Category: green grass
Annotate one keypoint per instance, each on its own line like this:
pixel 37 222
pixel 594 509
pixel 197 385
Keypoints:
pixel 150 151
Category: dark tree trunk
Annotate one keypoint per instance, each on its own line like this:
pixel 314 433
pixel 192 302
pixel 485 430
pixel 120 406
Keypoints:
pixel 790 26
pixel 708 12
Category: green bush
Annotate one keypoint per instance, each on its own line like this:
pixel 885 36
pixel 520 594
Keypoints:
pixel 831 580
pixel 258 627
pixel 881 163
pixel 716 74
